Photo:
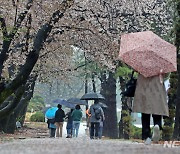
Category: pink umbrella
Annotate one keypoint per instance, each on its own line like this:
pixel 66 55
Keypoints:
pixel 147 53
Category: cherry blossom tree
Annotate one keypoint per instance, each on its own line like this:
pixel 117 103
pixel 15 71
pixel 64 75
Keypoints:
pixel 42 38
pixel 13 38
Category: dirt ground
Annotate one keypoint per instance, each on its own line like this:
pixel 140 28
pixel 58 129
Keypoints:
pixel 30 130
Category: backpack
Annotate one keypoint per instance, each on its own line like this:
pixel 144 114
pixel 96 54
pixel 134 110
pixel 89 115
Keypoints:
pixel 130 87
pixel 52 121
pixel 97 112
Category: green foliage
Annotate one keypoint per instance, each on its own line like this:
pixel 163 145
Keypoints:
pixel 36 104
pixel 167 133
pixel 136 132
pixel 128 128
pixel 127 123
pixel 37 117
pixel 168 125
pixel 124 71
pixel 169 121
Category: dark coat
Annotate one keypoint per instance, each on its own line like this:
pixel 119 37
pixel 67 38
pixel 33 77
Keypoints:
pixel 59 115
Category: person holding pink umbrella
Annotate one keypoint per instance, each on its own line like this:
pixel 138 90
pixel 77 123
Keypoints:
pixel 151 57
pixel 150 98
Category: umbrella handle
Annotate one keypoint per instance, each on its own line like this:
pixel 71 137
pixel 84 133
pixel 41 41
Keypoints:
pixel 132 74
pixel 161 76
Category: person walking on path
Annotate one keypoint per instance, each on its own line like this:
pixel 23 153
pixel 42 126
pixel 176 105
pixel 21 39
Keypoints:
pixel 150 98
pixel 76 118
pixel 100 129
pixel 69 125
pixel 101 125
pixel 52 127
pixel 59 119
pixel 88 122
pixel 96 117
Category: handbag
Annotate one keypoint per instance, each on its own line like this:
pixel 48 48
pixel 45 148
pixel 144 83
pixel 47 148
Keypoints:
pixel 130 87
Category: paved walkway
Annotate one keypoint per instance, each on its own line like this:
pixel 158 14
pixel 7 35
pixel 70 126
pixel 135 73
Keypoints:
pixel 81 145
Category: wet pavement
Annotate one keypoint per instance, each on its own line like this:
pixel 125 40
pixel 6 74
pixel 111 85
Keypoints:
pixel 82 145
pixel 36 141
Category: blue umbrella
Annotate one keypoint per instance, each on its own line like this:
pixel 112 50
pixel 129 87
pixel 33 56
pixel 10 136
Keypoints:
pixel 50 113
pixel 64 102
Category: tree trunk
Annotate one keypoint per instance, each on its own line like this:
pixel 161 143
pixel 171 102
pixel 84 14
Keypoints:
pixel 10 117
pixel 20 110
pixel 176 134
pixel 169 121
pixel 3 123
pixel 93 82
pixel 124 125
pixel 12 103
pixel 108 89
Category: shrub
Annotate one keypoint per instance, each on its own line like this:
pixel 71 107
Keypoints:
pixel 167 133
pixel 137 133
pixel 36 104
pixel 37 117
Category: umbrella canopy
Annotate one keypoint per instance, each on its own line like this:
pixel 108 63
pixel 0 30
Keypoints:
pixel 103 105
pixel 50 113
pixel 64 102
pixel 92 96
pixel 77 101
pixel 147 53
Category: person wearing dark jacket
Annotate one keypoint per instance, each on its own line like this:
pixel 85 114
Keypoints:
pixel 59 119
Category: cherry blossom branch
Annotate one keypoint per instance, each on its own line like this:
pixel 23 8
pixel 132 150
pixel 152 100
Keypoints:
pixel 33 56
pixel 9 37
pixel 3 27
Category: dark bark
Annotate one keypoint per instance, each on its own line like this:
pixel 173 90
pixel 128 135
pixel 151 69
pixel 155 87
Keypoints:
pixel 4 112
pixel 124 127
pixel 108 89
pixel 22 114
pixel 20 110
pixel 3 124
pixel 8 107
pixel 86 88
pixel 10 125
pixel 176 134
pixel 169 121
pixel 93 82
